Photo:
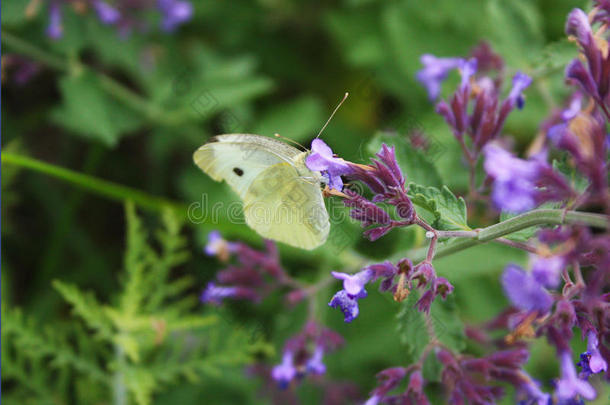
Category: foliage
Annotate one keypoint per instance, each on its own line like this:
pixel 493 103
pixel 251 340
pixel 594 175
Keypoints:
pixel 152 335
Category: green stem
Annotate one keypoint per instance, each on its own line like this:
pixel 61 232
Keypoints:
pixel 34 52
pixel 514 224
pixel 102 187
pixel 119 390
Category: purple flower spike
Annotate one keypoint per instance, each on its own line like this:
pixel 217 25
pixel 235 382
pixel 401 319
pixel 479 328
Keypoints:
pixel 322 159
pixel 592 361
pixel 435 71
pixel 348 304
pixel 547 270
pixel 524 291
pixel 285 372
pixel 593 78
pixel 314 364
pixel 106 13
pixel 354 284
pixel 570 385
pixel 55 29
pixel 577 72
pixel 175 13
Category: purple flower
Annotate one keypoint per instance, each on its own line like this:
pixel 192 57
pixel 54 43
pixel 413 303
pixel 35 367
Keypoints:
pixel 215 294
pixel 521 81
pixel 486 120
pixel 573 108
pixel 584 137
pixel 520 185
pixel 467 69
pixel 547 270
pixel 175 12
pixel 556 132
pixel 602 14
pixel 435 71
pixel 354 284
pixel 592 361
pixel 487 59
pixel 322 159
pixel 593 79
pixel 570 385
pixel 285 372
pixel 424 273
pixel 387 183
pixel 524 291
pixel 578 25
pixel 387 269
pixel 347 303
pixel 533 392
pixel 55 29
pixel 106 13
pixel 425 302
pixel 315 365
pixel 19 68
pixel 514 187
pixel 219 247
pixel 387 380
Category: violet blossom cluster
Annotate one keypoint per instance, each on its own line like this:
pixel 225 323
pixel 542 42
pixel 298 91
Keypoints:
pixel 475 110
pixel 467 379
pixel 593 77
pixel 400 279
pixel 384 179
pixel 583 303
pixel 254 275
pixel 125 15
pixel 303 354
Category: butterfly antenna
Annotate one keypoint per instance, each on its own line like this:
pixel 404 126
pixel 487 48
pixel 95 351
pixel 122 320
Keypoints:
pixel 332 115
pixel 289 140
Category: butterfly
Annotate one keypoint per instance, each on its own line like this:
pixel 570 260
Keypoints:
pixel 282 198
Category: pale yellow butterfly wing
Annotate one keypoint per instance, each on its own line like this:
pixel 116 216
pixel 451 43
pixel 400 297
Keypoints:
pixel 281 205
pixel 282 198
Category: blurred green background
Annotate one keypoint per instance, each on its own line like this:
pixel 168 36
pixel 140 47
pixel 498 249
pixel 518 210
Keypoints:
pixel 132 109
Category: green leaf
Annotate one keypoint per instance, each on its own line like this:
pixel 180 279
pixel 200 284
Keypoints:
pixel 415 165
pixel 86 306
pixel 445 322
pixel 14 12
pixel 412 328
pixel 447 210
pixel 554 56
pixel 89 111
pixel 297 120
pixel 577 180
pixel 516 28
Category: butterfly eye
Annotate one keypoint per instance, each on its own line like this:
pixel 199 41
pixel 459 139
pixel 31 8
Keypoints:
pixel 238 171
